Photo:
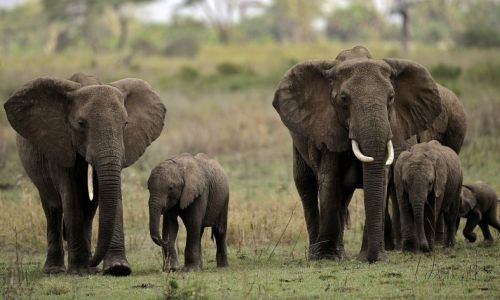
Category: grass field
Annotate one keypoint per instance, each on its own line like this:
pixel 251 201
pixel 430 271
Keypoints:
pixel 220 103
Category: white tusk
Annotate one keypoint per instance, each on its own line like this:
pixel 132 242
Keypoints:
pixel 90 182
pixel 390 156
pixel 359 155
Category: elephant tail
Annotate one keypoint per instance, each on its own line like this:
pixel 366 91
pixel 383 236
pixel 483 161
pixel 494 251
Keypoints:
pixel 347 218
pixel 64 233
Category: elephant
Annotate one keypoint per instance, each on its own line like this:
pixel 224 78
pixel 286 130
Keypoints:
pixel 345 117
pixel 428 180
pixel 74 138
pixel 478 204
pixel 449 128
pixel 194 188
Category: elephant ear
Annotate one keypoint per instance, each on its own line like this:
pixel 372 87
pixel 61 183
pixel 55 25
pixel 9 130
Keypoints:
pixel 194 183
pixel 303 101
pixel 38 112
pixel 398 174
pixel 146 115
pixel 416 101
pixel 467 201
pixel 441 177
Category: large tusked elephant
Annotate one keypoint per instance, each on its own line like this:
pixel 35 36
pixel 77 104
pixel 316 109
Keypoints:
pixel 71 132
pixel 346 116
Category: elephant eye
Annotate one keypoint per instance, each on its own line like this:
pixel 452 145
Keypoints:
pixel 125 124
pixel 82 124
pixel 344 99
pixel 390 99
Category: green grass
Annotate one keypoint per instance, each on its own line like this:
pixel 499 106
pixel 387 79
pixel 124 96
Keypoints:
pixel 227 113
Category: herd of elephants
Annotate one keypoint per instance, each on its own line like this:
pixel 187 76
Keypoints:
pixel 383 125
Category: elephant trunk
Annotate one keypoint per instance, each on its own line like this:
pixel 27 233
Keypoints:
pixel 109 195
pixel 374 140
pixel 418 213
pixel 155 211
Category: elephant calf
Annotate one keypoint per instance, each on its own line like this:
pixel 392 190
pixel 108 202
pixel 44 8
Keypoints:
pixel 428 180
pixel 196 189
pixel 478 204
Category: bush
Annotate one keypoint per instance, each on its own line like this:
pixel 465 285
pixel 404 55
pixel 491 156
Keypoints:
pixel 446 72
pixel 188 73
pixel 229 69
pixel 482 25
pixel 183 47
pixel 487 72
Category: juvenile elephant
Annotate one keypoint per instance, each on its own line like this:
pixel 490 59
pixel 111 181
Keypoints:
pixel 478 204
pixel 346 117
pixel 75 134
pixel 428 179
pixel 196 189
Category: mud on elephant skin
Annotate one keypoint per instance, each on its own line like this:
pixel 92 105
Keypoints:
pixel 196 189
pixel 428 179
pixel 74 132
pixel 478 204
pixel 346 116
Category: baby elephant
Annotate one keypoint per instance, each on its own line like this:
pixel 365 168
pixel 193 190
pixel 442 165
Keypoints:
pixel 428 179
pixel 196 189
pixel 478 203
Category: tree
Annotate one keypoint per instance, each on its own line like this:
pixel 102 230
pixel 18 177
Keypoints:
pixel 222 14
pixel 359 21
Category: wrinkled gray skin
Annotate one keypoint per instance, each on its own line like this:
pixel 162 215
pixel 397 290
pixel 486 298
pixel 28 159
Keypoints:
pixel 65 125
pixel 194 188
pixel 449 129
pixel 325 105
pixel 478 204
pixel 428 179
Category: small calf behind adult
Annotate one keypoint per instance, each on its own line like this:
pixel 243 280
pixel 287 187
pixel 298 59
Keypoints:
pixel 194 188
pixel 478 204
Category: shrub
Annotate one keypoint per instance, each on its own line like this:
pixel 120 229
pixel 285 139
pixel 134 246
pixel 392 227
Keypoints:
pixel 183 47
pixel 228 69
pixel 488 72
pixel 446 72
pixel 188 73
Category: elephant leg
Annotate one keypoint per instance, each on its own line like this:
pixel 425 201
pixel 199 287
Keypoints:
pixel 472 221
pixel 169 236
pixel 192 252
pixel 440 230
pixel 486 231
pixel 220 240
pixel 54 262
pixel 307 187
pixel 115 261
pixel 393 241
pixel 78 237
pixel 332 216
pixel 451 223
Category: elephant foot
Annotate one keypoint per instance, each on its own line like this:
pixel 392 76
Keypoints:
pixel 471 237
pixel 53 268
pixel 379 256
pixel 116 267
pixel 409 246
pixel 192 268
pixel 318 252
pixel 425 248
pixel 81 270
pixel 171 267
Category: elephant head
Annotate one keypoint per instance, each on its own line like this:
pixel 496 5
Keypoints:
pixel 468 201
pixel 177 181
pixel 364 104
pixel 108 125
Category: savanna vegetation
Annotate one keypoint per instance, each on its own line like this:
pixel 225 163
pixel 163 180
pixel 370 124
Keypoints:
pixel 218 92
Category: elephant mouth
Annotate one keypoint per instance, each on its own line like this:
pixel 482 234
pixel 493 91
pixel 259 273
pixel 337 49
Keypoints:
pixel 90 182
pixel 368 159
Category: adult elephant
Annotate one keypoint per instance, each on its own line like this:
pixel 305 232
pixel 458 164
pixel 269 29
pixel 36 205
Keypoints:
pixel 345 118
pixel 72 133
